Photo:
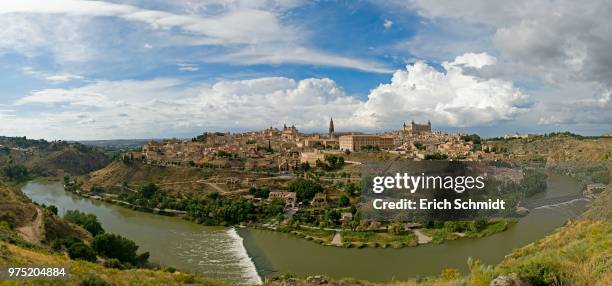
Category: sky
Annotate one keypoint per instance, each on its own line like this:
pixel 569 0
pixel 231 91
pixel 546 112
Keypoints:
pixel 79 70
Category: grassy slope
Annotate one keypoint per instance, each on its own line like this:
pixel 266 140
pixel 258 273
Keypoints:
pixel 135 173
pixel 12 255
pixel 16 211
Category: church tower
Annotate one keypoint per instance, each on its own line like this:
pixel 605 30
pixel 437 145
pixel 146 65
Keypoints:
pixel 331 128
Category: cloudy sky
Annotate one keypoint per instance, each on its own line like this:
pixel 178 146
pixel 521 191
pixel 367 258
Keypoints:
pixel 73 69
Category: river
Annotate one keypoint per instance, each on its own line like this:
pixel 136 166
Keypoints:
pixel 222 253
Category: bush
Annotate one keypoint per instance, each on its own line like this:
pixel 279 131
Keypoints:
pixel 115 246
pixel 541 271
pixel 88 221
pixel 81 251
pixel 344 201
pixel 93 280
pixel 114 263
pixel 15 172
pixel 148 190
pixel 480 275
pixel 450 274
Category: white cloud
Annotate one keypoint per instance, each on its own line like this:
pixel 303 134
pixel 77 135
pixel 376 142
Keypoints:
pixel 453 98
pixel 239 25
pixel 555 42
pixel 387 24
pixel 165 107
pixel 53 77
pixel 186 67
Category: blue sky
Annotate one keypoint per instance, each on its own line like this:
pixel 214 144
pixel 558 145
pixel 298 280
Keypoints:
pixel 72 69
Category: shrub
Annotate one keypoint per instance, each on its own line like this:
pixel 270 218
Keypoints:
pixel 480 275
pixel 115 246
pixel 114 263
pixel 93 280
pixel 15 172
pixel 81 251
pixel 450 274
pixel 541 270
pixel 88 221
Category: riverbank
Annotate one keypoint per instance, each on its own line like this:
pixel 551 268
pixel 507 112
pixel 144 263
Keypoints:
pixel 213 252
pixel 407 236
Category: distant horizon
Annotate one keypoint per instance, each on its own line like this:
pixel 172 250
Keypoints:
pixel 186 137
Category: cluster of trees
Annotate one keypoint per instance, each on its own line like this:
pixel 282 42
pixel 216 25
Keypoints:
pixel 370 148
pixel 88 221
pixel 261 193
pixel 216 210
pixel 459 226
pixel 332 163
pixel 119 251
pixel 305 189
pixel 15 172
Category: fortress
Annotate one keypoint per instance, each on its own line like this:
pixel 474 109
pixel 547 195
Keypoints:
pixel 415 128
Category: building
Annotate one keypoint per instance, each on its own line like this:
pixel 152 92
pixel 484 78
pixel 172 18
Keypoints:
pixel 312 157
pixel 415 128
pixel 318 141
pixel 290 133
pixel 290 198
pixel 358 142
pixel 319 200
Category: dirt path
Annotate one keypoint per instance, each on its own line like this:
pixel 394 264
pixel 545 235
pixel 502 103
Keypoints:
pixel 33 232
pixel 421 237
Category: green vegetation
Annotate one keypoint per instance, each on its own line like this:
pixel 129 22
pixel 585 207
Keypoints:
pixel 305 189
pixel 332 163
pixel 436 156
pixel 119 247
pixel 419 145
pixel 259 192
pixel 84 273
pixel 88 221
pixel 450 230
pixel 15 172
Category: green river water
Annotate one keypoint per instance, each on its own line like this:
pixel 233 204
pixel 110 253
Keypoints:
pixel 243 256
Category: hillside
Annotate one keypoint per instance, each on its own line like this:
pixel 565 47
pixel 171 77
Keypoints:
pixel 133 174
pixel 13 255
pixel 559 147
pixel 51 158
pixel 23 220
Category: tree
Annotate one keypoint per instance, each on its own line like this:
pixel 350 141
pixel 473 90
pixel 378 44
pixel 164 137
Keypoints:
pixel 88 221
pixel 344 201
pixel 305 189
pixel 115 246
pixel 15 172
pixel 52 209
pixel 350 188
pixel 148 190
pixel 81 251
pixel 259 192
